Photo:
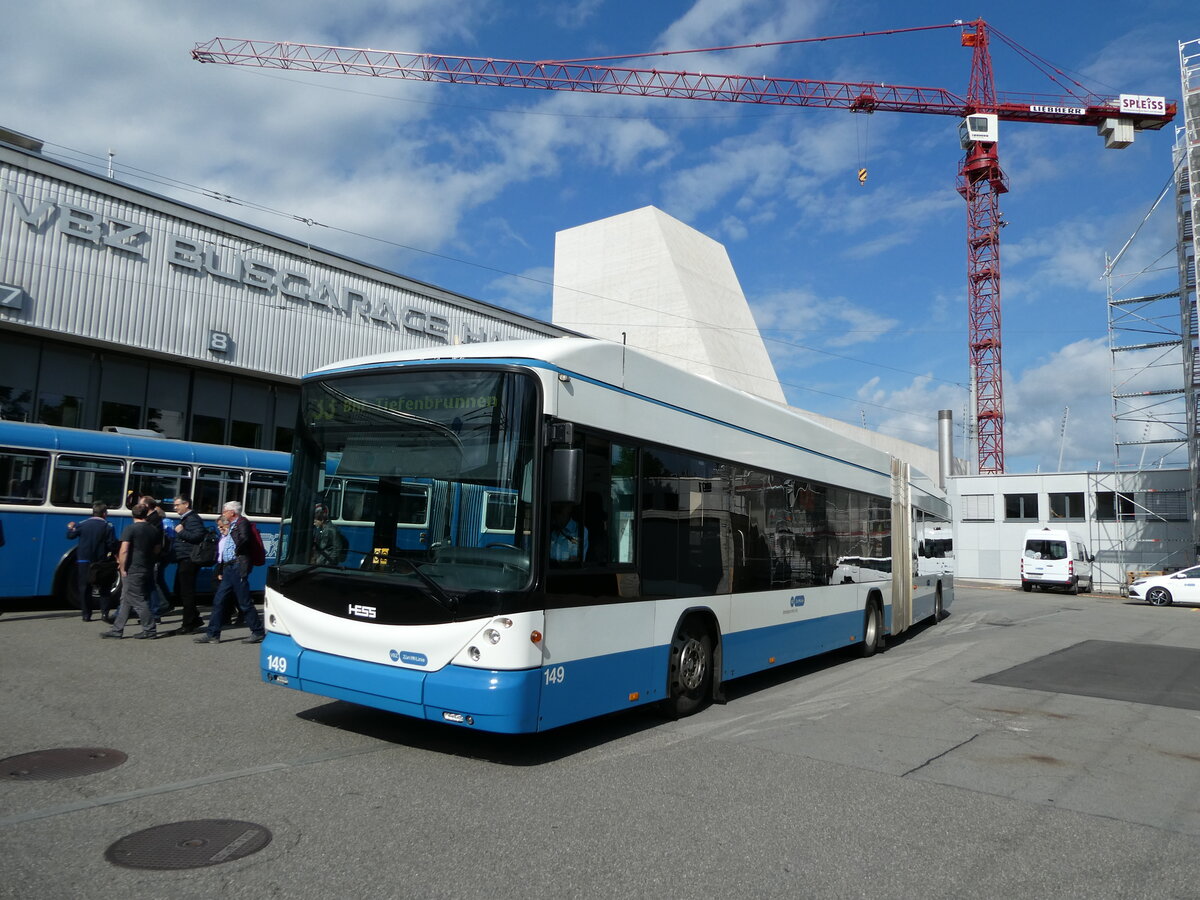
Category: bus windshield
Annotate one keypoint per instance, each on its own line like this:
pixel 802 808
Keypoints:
pixel 410 489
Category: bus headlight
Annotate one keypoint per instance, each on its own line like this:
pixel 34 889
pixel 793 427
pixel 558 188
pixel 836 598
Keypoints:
pixel 473 652
pixel 492 635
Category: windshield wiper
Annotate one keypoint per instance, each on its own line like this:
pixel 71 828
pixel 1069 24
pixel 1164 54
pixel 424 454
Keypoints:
pixel 443 599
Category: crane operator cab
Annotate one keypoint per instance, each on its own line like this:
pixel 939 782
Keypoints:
pixel 980 127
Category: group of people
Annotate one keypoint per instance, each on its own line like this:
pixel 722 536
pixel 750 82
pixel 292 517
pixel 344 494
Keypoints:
pixel 146 548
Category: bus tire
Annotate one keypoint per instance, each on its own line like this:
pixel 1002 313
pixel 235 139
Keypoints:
pixel 690 671
pixel 872 629
pixel 937 604
pixel 66 583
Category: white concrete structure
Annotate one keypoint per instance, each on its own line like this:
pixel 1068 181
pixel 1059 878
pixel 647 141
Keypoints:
pixel 669 290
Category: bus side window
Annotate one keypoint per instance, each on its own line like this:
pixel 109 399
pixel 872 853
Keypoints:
pixel 23 476
pixel 265 494
pixel 161 481
pixel 215 488
pixel 80 481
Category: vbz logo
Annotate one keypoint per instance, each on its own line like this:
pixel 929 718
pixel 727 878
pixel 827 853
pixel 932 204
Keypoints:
pixel 798 600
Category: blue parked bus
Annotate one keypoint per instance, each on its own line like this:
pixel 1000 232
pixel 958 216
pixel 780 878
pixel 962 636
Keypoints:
pixel 50 476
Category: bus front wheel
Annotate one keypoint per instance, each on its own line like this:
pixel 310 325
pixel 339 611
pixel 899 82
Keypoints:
pixel 689 682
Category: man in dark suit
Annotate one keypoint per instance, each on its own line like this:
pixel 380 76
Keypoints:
pixel 97 541
pixel 189 532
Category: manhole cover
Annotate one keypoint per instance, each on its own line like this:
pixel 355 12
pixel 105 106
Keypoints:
pixel 65 762
pixel 188 845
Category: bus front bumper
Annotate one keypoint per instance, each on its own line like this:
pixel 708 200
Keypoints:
pixel 488 700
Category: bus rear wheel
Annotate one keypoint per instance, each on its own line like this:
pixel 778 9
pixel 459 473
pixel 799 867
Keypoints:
pixel 689 679
pixel 872 629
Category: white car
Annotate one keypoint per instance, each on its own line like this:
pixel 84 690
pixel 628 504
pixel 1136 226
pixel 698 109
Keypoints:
pixel 1163 590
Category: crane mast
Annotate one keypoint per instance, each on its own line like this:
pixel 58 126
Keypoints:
pixel 981 182
pixel 980 178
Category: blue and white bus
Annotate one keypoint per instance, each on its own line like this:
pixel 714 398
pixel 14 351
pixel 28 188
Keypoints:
pixel 50 476
pixel 550 530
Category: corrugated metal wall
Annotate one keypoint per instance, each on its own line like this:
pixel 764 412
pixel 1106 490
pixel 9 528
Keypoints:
pixel 119 266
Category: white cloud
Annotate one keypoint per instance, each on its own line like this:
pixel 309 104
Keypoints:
pixel 528 292
pixel 819 321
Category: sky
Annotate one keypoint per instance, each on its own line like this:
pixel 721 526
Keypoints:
pixel 859 290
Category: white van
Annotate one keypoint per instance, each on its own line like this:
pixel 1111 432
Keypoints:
pixel 1054 557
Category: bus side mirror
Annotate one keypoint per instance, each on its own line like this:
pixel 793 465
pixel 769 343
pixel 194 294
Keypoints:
pixel 566 475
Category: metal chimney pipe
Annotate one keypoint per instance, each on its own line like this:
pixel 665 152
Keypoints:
pixel 945 446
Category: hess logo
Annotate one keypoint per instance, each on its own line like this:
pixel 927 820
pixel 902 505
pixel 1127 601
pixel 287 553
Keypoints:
pixel 363 612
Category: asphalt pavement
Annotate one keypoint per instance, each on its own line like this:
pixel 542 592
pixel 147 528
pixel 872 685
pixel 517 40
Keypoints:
pixel 1031 745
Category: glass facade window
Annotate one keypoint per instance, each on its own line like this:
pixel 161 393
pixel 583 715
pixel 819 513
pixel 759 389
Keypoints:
pixel 60 409
pixel 250 408
pixel 210 407
pixel 122 391
pixel 286 405
pixel 167 389
pixel 208 429
pixel 18 377
pixel 245 434
pixel 1020 507
pixel 120 415
pixel 64 376
pixel 58 383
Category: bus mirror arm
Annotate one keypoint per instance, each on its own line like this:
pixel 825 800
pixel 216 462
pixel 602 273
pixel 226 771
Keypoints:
pixel 566 475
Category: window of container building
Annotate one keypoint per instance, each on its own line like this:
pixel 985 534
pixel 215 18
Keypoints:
pixel 1067 506
pixel 1020 507
pixel 978 508
pixel 1109 504
pixel 80 481
pixel 18 376
pixel 122 391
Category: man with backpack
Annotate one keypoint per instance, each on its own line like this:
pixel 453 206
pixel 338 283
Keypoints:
pixel 189 534
pixel 238 555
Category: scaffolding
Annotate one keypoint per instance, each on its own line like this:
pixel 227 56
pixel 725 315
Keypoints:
pixel 1156 372
pixel 1187 205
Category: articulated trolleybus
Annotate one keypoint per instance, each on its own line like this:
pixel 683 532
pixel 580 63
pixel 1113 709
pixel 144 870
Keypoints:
pixel 513 536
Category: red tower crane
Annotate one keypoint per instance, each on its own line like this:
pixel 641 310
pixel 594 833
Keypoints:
pixel 980 179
